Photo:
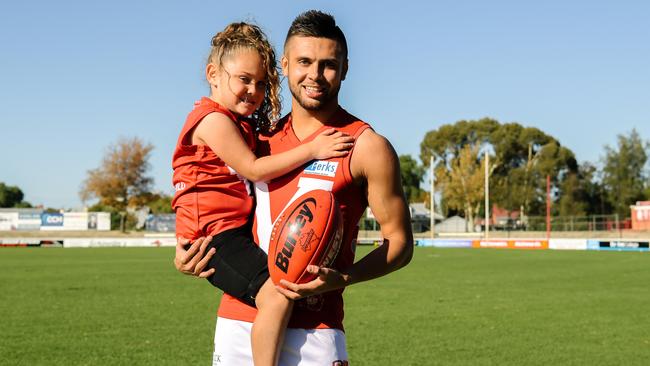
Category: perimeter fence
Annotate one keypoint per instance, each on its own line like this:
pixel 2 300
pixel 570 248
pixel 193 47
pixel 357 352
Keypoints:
pixel 533 226
pixel 577 223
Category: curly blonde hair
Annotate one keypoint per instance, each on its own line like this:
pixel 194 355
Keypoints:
pixel 238 36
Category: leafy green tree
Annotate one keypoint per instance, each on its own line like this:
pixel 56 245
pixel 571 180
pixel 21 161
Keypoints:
pixel 521 158
pixel 624 175
pixel 121 180
pixel 445 143
pixel 12 196
pixel 160 203
pixel 463 184
pixel 527 155
pixel 572 200
pixel 412 174
pixel 582 194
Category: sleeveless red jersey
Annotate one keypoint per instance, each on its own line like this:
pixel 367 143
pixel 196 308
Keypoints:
pixel 210 197
pixel 324 310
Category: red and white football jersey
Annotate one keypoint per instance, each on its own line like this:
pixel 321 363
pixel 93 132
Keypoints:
pixel 210 197
pixel 325 310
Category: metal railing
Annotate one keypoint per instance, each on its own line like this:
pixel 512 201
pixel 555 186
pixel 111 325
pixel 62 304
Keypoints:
pixel 593 223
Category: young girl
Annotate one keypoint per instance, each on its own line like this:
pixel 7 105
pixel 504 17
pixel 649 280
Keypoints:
pixel 214 157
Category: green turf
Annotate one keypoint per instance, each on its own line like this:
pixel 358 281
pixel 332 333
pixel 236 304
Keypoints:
pixel 120 306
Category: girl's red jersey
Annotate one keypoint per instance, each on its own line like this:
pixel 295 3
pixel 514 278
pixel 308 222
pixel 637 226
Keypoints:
pixel 210 197
pixel 325 310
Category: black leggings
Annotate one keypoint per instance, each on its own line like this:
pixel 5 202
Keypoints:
pixel 240 265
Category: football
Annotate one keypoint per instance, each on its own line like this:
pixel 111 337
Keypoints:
pixel 308 232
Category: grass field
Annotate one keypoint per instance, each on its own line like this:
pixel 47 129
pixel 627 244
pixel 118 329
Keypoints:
pixel 120 306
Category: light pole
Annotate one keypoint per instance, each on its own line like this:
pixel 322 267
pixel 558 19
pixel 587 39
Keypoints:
pixel 487 195
pixel 432 220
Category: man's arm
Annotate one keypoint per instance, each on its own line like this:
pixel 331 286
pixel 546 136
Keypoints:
pixel 374 160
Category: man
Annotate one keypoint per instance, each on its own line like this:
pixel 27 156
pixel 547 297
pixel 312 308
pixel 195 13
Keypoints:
pixel 315 63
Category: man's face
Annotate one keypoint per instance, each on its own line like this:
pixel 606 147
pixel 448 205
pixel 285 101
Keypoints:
pixel 314 68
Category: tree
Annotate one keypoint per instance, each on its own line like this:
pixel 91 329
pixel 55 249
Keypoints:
pixel 121 180
pixel 521 159
pixel 412 174
pixel 160 203
pixel 624 175
pixel 12 196
pixel 445 143
pixel 582 194
pixel 572 200
pixel 527 155
pixel 462 184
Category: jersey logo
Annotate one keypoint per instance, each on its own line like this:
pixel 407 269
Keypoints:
pixel 322 167
pixel 179 186
pixel 312 303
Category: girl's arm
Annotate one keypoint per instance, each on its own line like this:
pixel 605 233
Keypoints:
pixel 223 137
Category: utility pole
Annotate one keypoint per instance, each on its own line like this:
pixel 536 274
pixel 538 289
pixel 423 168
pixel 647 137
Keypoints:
pixel 432 220
pixel 487 195
pixel 548 207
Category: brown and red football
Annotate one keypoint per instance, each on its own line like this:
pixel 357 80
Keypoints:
pixel 308 232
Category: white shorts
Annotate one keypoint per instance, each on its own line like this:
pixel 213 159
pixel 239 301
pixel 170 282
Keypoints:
pixel 302 347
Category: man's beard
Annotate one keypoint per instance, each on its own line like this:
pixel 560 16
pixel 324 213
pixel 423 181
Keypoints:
pixel 313 104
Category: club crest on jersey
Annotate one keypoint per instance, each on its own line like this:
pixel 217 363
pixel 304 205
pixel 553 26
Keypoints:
pixel 322 167
pixel 179 186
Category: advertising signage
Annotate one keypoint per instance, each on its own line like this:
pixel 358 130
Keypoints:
pixel 624 245
pixel 511 243
pixel 52 220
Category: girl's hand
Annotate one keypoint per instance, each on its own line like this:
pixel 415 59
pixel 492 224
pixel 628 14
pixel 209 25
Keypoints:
pixel 331 144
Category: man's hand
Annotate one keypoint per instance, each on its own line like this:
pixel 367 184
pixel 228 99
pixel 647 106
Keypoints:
pixel 192 261
pixel 328 279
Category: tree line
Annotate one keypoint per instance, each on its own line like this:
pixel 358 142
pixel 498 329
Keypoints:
pixel 118 185
pixel 520 159
pixel 12 196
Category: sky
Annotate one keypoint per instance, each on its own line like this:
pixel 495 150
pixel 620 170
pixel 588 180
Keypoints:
pixel 75 76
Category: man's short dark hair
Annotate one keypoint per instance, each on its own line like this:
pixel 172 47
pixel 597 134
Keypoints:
pixel 315 23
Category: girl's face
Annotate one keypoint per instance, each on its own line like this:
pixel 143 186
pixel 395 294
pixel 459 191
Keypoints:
pixel 240 83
